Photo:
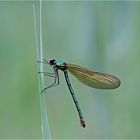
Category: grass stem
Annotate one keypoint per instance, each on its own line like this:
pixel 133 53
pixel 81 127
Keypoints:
pixel 39 55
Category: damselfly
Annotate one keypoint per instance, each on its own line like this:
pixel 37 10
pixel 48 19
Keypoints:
pixel 88 77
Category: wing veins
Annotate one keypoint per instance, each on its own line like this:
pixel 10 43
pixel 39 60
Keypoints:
pixel 94 79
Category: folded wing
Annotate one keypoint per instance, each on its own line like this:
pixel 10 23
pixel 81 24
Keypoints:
pixel 94 79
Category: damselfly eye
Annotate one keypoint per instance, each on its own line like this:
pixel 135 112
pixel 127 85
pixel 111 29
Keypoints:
pixel 52 62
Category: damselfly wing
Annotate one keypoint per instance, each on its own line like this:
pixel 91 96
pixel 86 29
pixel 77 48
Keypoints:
pixel 92 78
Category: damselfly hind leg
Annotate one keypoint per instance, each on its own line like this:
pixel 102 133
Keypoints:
pixel 56 80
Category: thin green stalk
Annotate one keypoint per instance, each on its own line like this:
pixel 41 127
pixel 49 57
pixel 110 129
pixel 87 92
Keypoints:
pixel 39 55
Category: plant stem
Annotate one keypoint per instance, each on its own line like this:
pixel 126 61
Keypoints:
pixel 39 55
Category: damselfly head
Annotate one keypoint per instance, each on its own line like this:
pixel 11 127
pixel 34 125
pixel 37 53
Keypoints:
pixel 52 62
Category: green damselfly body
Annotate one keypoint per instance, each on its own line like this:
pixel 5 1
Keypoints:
pixel 90 78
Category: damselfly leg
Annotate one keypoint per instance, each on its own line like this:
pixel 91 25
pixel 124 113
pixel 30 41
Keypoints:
pixel 44 61
pixel 47 74
pixel 54 75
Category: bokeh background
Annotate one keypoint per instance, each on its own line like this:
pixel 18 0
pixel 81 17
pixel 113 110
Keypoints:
pixel 102 36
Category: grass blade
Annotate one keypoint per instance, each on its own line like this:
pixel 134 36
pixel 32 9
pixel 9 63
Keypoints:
pixel 39 54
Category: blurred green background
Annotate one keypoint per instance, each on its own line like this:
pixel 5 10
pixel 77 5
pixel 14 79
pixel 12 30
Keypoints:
pixel 102 36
